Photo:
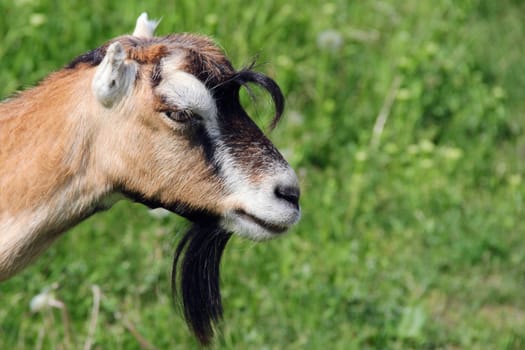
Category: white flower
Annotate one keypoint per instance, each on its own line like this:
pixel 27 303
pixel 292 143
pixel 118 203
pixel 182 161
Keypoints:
pixel 295 118
pixel 330 40
pixel 40 301
pixel 159 213
pixel 37 19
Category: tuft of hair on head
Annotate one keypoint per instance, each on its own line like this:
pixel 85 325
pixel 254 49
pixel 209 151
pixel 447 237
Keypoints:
pixel 145 27
pixel 246 76
pixel 196 273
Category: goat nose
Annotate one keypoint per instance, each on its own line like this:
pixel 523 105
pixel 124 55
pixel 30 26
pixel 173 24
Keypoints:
pixel 288 193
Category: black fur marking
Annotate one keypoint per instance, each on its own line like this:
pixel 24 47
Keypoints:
pixel 201 138
pixel 180 208
pixel 196 264
pixel 92 58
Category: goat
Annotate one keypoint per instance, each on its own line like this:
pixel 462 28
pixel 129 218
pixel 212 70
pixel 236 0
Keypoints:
pixel 156 120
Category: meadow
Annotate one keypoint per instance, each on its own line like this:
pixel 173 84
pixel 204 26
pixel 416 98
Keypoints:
pixel 404 121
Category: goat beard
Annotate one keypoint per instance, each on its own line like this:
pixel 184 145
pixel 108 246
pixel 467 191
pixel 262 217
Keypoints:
pixel 195 276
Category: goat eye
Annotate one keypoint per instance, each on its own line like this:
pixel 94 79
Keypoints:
pixel 181 116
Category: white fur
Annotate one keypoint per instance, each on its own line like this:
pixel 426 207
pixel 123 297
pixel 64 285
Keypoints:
pixel 258 200
pixel 145 28
pixel 114 76
pixel 184 91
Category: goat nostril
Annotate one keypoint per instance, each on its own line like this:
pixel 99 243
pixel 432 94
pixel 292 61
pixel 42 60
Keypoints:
pixel 288 193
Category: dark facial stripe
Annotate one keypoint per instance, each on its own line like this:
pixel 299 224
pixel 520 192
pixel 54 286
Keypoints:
pixel 92 58
pixel 201 138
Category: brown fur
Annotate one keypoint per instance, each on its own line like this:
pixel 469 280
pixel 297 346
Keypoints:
pixel 151 54
pixel 62 151
pixel 35 131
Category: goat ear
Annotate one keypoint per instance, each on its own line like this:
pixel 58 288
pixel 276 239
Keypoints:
pixel 145 27
pixel 114 76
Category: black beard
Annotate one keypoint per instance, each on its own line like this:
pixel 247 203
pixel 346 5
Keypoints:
pixel 196 274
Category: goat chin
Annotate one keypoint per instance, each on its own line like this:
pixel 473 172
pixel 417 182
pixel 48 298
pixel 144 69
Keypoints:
pixel 195 277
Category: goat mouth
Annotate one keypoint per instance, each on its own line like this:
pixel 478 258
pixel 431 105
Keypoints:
pixel 273 228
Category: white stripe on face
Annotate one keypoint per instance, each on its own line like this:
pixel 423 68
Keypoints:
pixel 184 91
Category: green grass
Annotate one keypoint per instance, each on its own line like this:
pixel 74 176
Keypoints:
pixel 410 239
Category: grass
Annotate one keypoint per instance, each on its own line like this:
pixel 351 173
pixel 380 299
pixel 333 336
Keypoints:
pixel 411 237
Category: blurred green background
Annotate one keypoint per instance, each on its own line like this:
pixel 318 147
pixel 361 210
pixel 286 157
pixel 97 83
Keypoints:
pixel 404 121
